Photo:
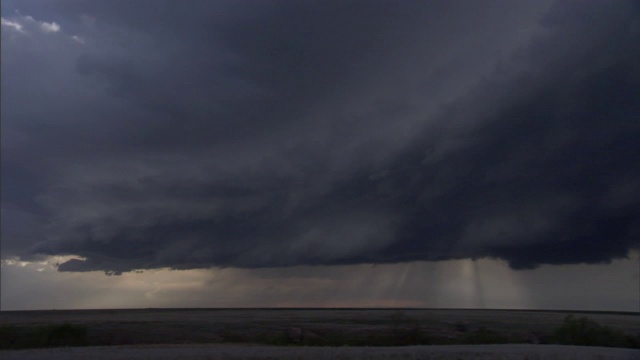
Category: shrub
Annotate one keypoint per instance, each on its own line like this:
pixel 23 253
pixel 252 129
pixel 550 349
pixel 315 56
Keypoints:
pixel 586 332
pixel 65 335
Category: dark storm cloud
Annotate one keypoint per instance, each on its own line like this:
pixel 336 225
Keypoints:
pixel 290 133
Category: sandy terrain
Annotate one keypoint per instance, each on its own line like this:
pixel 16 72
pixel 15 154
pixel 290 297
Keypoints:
pixel 458 352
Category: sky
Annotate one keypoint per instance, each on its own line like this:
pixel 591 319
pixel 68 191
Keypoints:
pixel 320 153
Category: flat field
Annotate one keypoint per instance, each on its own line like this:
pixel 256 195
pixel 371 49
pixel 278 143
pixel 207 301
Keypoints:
pixel 259 352
pixel 320 327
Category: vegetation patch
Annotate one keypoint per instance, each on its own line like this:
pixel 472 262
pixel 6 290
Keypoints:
pixel 586 332
pixel 398 328
pixel 13 337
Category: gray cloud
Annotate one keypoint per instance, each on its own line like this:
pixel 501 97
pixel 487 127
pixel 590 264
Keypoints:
pixel 452 284
pixel 287 133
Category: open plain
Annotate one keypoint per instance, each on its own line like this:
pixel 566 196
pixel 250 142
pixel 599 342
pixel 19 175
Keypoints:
pixel 314 334
pixel 236 352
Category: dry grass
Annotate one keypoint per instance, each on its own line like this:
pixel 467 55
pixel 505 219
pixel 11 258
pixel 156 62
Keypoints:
pixel 315 327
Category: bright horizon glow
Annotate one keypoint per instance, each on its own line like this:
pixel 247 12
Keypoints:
pixel 465 284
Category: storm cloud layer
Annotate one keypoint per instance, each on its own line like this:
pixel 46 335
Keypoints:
pixel 193 134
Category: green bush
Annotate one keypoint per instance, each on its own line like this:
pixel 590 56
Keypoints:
pixel 586 332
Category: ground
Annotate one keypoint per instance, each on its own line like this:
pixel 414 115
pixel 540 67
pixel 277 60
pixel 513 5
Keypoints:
pixel 305 334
